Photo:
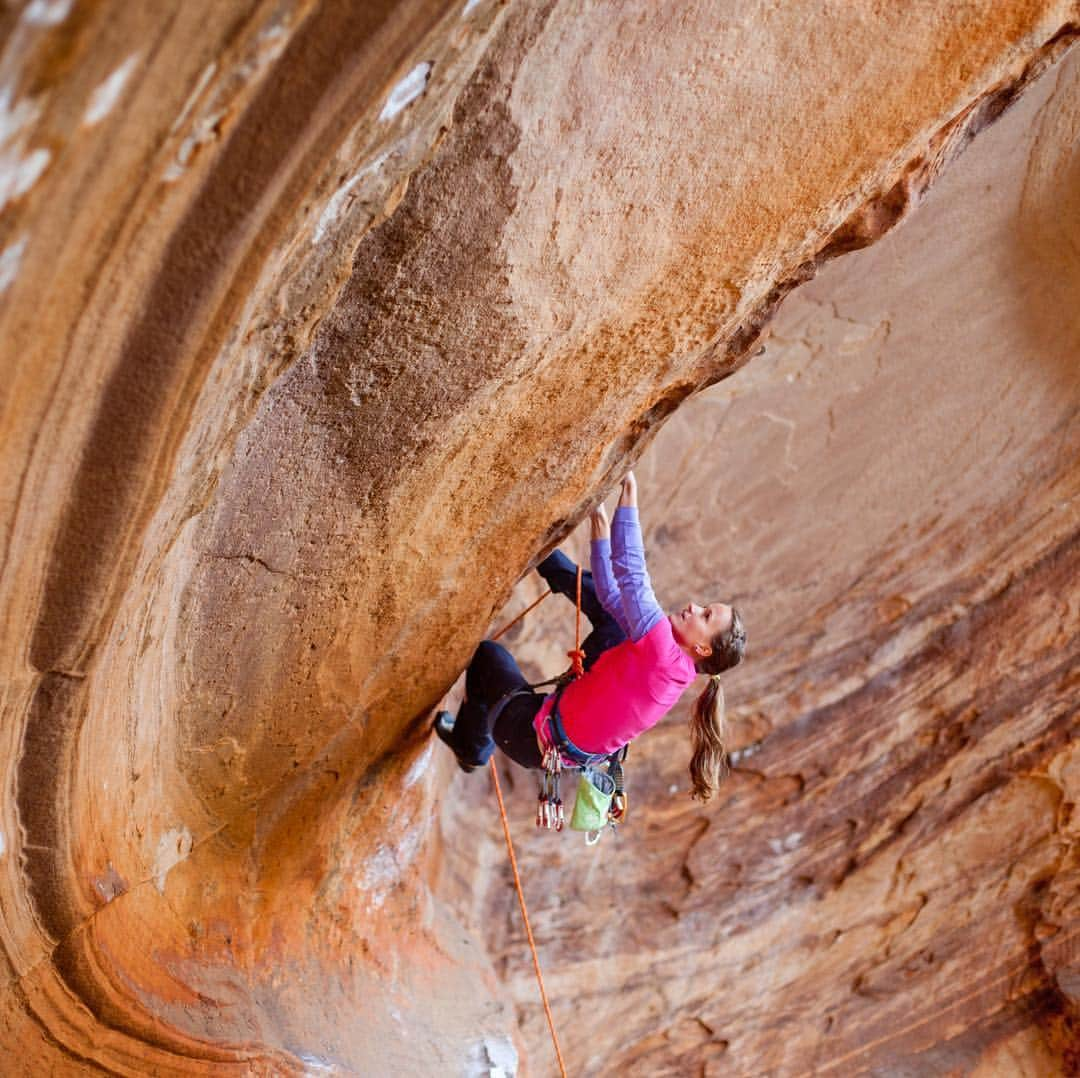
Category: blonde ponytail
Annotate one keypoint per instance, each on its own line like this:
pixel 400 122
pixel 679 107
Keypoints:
pixel 709 764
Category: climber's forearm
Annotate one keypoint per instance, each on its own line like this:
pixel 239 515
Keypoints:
pixel 607 591
pixel 641 611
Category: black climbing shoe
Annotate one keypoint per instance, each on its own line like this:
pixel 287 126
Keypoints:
pixel 444 724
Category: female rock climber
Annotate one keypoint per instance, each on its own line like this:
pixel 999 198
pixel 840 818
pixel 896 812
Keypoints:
pixel 638 662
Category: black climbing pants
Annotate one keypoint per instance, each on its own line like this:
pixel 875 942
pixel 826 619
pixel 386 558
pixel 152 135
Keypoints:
pixel 481 726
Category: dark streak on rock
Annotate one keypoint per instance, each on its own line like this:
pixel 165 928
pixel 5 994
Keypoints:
pixel 143 410
pixel 150 391
pixel 44 764
pixel 77 966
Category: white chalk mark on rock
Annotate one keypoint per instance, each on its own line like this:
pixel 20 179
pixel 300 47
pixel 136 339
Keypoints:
pixel 316 1065
pixel 406 91
pixel 338 199
pixel 172 848
pixel 206 130
pixel 14 118
pixel 786 844
pixel 105 97
pixel 789 428
pixel 420 765
pixel 380 874
pixel 47 12
pixel 269 45
pixel 361 382
pixel 19 170
pixel 208 73
pixel 17 177
pixel 492 1057
pixel 9 263
pixel 219 100
pixel 470 7
pixel 3 844
pixel 384 868
pixel 748 750
pixel 333 208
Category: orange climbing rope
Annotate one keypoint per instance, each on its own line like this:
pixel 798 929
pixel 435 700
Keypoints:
pixel 532 606
pixel 577 657
pixel 525 918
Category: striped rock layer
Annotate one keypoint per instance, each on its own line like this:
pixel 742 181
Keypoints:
pixel 323 321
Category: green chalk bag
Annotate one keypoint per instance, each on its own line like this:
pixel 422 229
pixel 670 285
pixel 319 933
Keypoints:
pixel 594 792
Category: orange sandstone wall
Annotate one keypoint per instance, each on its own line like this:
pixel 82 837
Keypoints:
pixel 321 322
pixel 889 882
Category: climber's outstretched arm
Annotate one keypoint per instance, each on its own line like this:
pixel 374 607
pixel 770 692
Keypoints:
pixel 600 562
pixel 641 611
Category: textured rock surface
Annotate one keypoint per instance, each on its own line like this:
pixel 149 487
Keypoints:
pixel 322 321
pixel 890 883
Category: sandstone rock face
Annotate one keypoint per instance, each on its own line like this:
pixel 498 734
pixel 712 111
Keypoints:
pixel 889 883
pixel 323 321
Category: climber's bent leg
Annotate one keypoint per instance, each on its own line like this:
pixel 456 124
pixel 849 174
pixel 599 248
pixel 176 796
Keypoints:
pixel 491 674
pixel 560 573
pixel 514 732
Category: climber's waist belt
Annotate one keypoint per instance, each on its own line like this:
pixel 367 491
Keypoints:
pixel 563 743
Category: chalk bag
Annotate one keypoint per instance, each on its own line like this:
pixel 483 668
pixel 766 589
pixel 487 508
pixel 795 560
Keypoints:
pixel 594 792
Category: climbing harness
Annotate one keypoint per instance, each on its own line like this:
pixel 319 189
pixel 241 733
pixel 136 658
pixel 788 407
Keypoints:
pixel 595 804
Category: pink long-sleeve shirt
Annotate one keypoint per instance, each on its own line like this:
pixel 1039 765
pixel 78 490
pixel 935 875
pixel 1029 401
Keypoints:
pixel 635 684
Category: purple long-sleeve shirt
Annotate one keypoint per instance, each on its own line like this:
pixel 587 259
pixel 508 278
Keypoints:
pixel 633 685
pixel 622 581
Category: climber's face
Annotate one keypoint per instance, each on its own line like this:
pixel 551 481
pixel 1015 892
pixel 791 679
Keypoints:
pixel 695 627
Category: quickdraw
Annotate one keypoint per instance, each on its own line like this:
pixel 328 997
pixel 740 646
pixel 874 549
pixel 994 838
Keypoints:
pixel 619 803
pixel 549 806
